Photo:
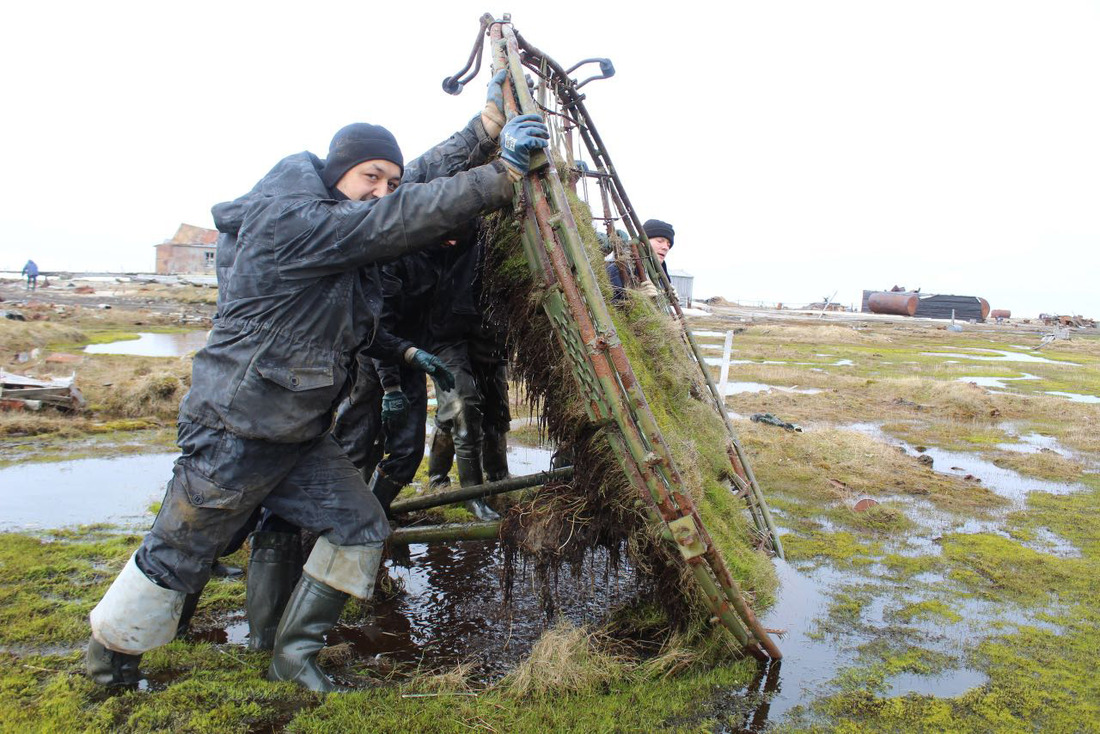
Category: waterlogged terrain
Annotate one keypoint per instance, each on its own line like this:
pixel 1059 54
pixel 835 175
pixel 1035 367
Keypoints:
pixel 940 575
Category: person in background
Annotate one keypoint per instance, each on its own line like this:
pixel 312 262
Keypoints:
pixel 31 271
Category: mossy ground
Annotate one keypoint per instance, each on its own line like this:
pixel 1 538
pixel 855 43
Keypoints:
pixel 1015 595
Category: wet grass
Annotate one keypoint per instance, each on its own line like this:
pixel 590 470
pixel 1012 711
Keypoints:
pixel 993 598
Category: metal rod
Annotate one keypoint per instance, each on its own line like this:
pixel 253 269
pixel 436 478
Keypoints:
pixel 475 491
pixel 446 533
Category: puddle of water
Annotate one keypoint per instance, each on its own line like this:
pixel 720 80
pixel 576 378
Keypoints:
pixel 454 611
pixel 1033 443
pixel 812 660
pixel 736 388
pixel 1075 397
pixel 528 460
pixel 995 382
pixel 82 492
pixel 1000 356
pixel 154 345
pixel 1004 482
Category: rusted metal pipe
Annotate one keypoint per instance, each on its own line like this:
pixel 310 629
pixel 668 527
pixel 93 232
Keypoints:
pixel 446 533
pixel 477 491
pixel 896 304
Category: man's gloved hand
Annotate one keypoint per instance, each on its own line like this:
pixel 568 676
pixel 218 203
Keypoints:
pixel 492 117
pixel 395 408
pixel 523 135
pixel 648 290
pixel 433 365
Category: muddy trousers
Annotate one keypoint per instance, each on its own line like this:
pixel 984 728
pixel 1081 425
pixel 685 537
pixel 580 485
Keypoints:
pixel 474 417
pixel 359 431
pixel 217 483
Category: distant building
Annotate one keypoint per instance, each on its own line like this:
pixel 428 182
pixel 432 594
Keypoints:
pixel 191 250
pixel 682 281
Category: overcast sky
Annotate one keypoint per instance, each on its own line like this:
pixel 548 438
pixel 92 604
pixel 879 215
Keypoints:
pixel 799 148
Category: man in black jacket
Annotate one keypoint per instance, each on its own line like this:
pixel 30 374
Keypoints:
pixel 296 308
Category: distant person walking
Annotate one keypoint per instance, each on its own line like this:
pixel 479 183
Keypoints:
pixel 31 271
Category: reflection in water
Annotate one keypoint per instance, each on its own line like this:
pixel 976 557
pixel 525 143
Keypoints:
pixel 85 491
pixel 154 345
pixel 453 610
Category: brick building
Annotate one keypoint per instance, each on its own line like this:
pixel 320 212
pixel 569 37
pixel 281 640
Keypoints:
pixel 191 250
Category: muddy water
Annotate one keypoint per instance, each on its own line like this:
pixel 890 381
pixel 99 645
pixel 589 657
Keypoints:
pixel 454 611
pixel 154 345
pixel 85 491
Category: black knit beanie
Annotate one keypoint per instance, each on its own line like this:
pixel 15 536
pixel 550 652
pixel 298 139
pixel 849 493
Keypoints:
pixel 356 143
pixel 657 228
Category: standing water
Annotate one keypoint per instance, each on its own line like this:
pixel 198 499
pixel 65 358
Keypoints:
pixel 147 344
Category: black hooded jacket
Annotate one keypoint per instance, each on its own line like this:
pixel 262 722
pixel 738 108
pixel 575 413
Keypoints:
pixel 296 297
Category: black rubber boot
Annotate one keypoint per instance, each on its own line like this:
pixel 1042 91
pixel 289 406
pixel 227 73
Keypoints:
pixel 469 474
pixel 190 603
pixel 384 489
pixel 494 455
pixel 223 571
pixel 110 668
pixel 273 570
pixel 313 610
pixel 440 458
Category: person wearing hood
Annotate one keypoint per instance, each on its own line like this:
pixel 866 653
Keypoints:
pixel 299 302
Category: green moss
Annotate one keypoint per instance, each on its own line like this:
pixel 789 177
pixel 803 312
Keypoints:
pixel 841 548
pixel 997 567
pixel 905 567
pixel 928 609
pixel 47 587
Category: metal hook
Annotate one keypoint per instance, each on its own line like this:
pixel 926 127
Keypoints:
pixel 607 70
pixel 454 84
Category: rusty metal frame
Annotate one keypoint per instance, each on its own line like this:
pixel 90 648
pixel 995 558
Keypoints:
pixel 612 393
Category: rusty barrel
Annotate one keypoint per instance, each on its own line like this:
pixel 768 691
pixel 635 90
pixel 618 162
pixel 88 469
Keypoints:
pixel 898 304
pixel 985 308
pixel 1000 313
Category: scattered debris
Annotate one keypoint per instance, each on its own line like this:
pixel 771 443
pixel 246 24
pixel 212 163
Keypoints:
pixel 83 289
pixel 31 393
pixel 772 420
pixel 1077 321
pixel 864 504
pixel 13 315
pixel 926 460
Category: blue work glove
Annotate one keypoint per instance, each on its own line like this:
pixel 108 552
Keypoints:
pixel 395 408
pixel 523 135
pixel 434 366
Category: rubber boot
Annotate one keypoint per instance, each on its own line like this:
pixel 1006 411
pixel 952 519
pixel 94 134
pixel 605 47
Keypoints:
pixel 273 570
pixel 494 455
pixel 469 474
pixel 190 603
pixel 384 489
pixel 110 668
pixel 222 571
pixel 440 458
pixel 313 611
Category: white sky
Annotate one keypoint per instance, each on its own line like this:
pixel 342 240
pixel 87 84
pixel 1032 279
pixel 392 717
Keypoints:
pixel 799 148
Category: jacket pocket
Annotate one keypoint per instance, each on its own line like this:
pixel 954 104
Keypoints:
pixel 296 378
pixel 201 491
